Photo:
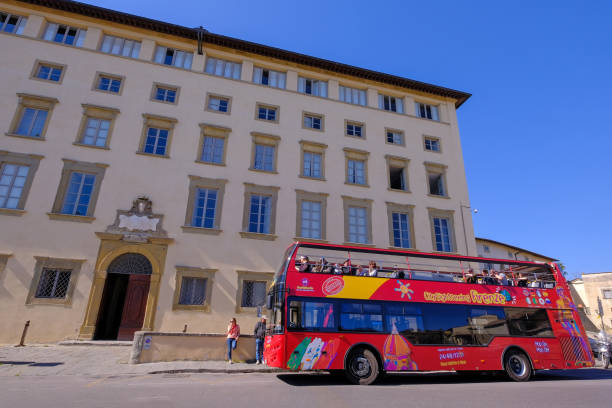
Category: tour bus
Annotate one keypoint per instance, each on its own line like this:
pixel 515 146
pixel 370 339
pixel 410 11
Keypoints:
pixel 368 311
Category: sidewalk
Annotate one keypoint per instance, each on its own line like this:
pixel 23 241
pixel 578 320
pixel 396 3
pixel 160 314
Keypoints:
pixel 100 361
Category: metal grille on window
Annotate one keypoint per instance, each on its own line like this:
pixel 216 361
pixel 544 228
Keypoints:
pixel 131 264
pixel 193 291
pixel 53 283
pixel 253 293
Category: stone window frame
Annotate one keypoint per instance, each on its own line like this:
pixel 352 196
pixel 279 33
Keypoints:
pixel 256 189
pixel 356 154
pixel 35 102
pixel 267 106
pixel 427 137
pixel 404 209
pixel 221 97
pixel 267 140
pixel 196 182
pixel 355 122
pixel 398 161
pixel 43 262
pixel 71 166
pixel 175 88
pixel 302 195
pixel 193 272
pixel 38 63
pixel 307 146
pixel 366 203
pixel 245 275
pixel 31 160
pixel 436 168
pixel 210 130
pixel 450 215
pixel 96 112
pixel 160 122
pixel 97 76
pixel 401 132
pixel 315 115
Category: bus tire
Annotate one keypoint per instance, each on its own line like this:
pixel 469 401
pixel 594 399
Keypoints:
pixel 517 366
pixel 362 367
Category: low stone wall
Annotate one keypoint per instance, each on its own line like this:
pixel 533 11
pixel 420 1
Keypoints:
pixel 152 347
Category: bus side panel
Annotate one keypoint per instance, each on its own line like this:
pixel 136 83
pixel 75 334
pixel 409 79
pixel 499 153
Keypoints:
pixel 315 351
pixel 575 351
pixel 274 350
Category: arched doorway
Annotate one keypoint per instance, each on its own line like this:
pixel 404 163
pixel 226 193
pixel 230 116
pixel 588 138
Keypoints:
pixel 124 299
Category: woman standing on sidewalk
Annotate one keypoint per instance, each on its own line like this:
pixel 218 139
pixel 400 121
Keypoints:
pixel 233 332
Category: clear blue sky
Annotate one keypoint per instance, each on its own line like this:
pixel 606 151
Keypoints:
pixel 536 133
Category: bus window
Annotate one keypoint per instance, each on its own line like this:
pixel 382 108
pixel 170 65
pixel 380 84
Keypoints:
pixel 446 324
pixel 486 323
pixel 528 322
pixel 363 317
pixel 311 316
pixel 405 319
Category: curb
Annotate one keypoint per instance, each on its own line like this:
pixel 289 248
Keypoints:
pixel 218 370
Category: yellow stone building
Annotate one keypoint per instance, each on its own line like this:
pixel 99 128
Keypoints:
pixel 152 174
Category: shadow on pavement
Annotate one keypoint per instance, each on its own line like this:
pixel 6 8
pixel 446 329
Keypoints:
pixel 30 363
pixel 313 379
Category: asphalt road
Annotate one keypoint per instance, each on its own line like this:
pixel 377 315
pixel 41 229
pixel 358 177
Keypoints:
pixel 580 388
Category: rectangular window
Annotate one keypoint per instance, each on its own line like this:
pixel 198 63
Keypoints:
pixel 49 72
pixel 259 214
pixel 267 113
pixel 12 182
pixel 53 283
pixel 264 157
pixel 407 320
pixel 432 144
pixel 436 183
pixel 358 225
pixel 32 122
pixel 165 94
pixel 426 111
pixel 204 208
pixel 311 219
pixel 156 141
pixel 212 150
pixel 390 103
pixel 253 293
pixel 269 77
pixel 193 291
pixel 356 172
pixel 486 249
pixel 120 46
pixel 352 95
pixel 401 230
pixel 219 67
pixel 96 132
pixel 78 195
pixel 395 137
pixel 312 164
pixel 11 23
pixel 442 234
pixel 307 316
pixel 397 178
pixel 108 83
pixel 528 322
pixel 176 58
pixel 65 34
pixel 354 129
pixel 362 317
pixel 219 104
pixel 312 87
pixel 607 293
pixel 313 121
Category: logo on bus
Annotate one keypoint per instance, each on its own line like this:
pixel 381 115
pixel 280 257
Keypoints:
pixel 305 287
pixel 332 286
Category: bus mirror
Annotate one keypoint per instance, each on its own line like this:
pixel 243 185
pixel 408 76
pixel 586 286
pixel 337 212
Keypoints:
pixel 269 301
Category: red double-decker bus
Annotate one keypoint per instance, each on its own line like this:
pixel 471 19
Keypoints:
pixel 368 311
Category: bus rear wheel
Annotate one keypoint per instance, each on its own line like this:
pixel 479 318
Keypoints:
pixel 517 366
pixel 362 367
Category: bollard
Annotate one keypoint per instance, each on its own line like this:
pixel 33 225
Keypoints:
pixel 23 334
pixel 185 329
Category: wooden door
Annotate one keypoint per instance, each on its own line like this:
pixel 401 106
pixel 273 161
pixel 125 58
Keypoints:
pixel 134 306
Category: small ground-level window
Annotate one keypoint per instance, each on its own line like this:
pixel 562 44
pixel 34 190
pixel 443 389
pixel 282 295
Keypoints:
pixel 193 291
pixel 253 293
pixel 53 283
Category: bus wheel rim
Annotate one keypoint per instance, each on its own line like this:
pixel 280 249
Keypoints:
pixel 360 366
pixel 517 366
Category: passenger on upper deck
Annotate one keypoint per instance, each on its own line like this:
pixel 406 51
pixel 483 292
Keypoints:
pixel 521 281
pixel 501 277
pixel 347 268
pixel 303 265
pixel 372 269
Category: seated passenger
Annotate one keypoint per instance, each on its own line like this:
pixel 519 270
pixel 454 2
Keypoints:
pixel 347 268
pixel 521 281
pixel 398 274
pixel 372 269
pixel 361 271
pixel 502 279
pixel 304 265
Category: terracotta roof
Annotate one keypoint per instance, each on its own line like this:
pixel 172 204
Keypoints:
pixel 247 46
pixel 517 248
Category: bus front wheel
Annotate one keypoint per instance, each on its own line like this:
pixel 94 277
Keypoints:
pixel 517 366
pixel 362 367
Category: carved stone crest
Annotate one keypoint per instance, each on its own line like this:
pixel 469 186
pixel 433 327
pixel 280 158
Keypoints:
pixel 138 224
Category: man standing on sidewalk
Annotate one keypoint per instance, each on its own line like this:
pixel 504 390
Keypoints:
pixel 260 335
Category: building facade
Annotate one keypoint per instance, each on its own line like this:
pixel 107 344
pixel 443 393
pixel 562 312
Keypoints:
pixel 488 248
pixel 586 291
pixel 153 174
